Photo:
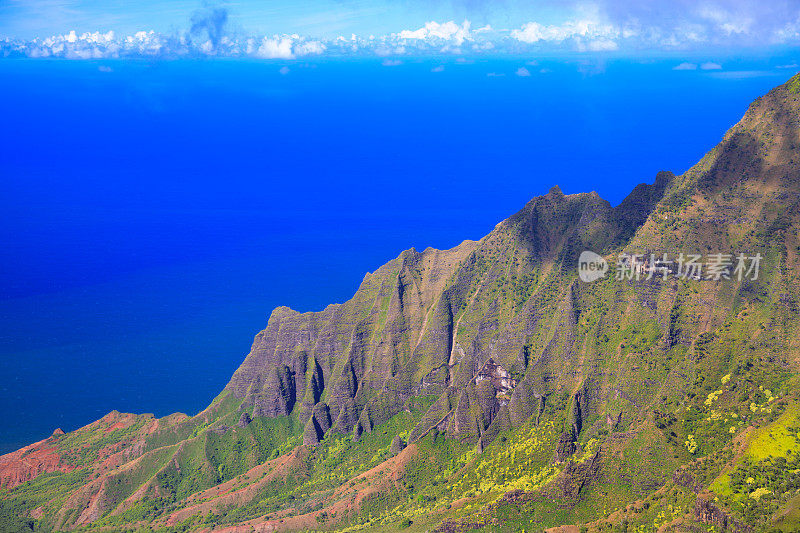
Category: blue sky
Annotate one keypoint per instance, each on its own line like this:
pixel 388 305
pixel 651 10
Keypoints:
pixel 286 29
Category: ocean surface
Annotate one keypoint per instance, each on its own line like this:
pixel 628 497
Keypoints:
pixel 153 213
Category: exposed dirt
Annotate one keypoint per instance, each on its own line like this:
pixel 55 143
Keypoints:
pixel 27 463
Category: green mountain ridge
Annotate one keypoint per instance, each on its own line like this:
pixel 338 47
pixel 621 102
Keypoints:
pixel 487 387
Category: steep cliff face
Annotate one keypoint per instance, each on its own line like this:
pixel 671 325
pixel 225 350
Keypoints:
pixel 475 387
pixel 388 337
pixel 426 323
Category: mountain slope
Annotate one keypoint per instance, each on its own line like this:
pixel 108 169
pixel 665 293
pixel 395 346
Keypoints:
pixel 488 387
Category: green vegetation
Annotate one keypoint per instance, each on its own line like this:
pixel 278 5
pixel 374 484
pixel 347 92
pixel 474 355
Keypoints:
pixel 794 84
pixel 768 475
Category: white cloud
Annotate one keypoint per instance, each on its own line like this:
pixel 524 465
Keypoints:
pixel 533 32
pixel 310 48
pixel 594 26
pixel 284 70
pixel 583 35
pixel 685 66
pixel 711 66
pixel 440 68
pixel 628 32
pixel 276 48
pixel 791 65
pixel 391 62
pixel 495 74
pixel 447 31
pixel 523 72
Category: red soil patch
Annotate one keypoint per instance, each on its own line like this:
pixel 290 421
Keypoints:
pixel 117 425
pixel 26 463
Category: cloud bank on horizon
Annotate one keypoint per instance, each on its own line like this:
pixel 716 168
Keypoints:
pixel 623 27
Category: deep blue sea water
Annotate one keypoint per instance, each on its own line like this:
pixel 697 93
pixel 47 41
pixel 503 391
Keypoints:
pixel 153 213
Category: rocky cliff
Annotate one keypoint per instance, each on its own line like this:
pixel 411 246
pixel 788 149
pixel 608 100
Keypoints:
pixel 428 323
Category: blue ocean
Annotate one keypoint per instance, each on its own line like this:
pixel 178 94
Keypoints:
pixel 153 213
